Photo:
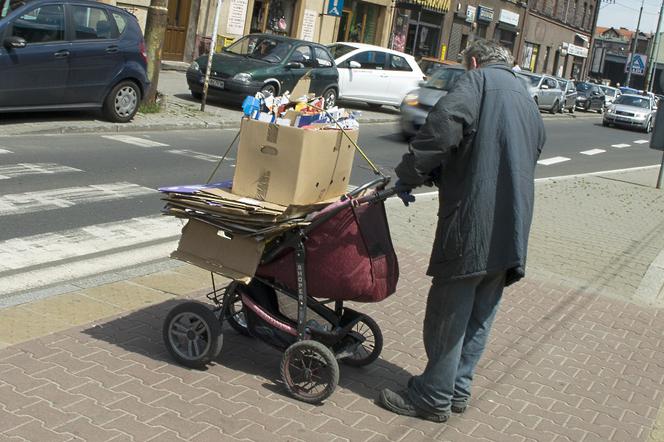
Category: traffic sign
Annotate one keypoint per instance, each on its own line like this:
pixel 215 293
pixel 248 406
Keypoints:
pixel 638 63
pixel 334 7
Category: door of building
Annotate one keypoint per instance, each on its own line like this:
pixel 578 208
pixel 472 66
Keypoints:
pixel 176 29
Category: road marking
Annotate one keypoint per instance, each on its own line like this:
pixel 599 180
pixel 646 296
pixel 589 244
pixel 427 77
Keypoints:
pixel 77 249
pixel 620 146
pixel 553 160
pixel 601 172
pixel 29 202
pixel 5 151
pixel 142 142
pixel 197 155
pixel 641 141
pixel 592 151
pixel 16 170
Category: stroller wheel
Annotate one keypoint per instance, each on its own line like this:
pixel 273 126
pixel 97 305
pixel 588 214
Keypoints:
pixel 368 351
pixel 310 371
pixel 235 314
pixel 192 334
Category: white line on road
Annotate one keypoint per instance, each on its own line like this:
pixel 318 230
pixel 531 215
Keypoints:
pixel 5 151
pixel 197 155
pixel 16 170
pixel 553 160
pixel 641 141
pixel 28 202
pixel 620 146
pixel 79 245
pixel 142 142
pixel 592 151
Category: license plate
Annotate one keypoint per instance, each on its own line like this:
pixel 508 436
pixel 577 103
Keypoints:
pixel 216 83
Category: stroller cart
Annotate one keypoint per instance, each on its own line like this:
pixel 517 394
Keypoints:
pixel 295 301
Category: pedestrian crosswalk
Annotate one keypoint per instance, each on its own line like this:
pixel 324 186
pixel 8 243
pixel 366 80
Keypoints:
pixel 136 141
pixel 8 171
pixel 550 161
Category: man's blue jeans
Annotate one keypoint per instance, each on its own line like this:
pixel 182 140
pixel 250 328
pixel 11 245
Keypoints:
pixel 457 323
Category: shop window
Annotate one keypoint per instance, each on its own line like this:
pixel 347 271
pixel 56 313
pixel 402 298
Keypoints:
pixel 302 54
pixel 482 29
pixel 399 64
pixel 368 60
pixel 323 60
pixel 359 22
pixel 272 16
pixel 529 60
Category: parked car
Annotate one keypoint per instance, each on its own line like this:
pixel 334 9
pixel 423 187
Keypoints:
pixel 418 103
pixel 430 64
pixel 265 63
pixel 631 111
pixel 68 55
pixel 610 94
pixel 567 94
pixel 589 97
pixel 544 90
pixel 374 75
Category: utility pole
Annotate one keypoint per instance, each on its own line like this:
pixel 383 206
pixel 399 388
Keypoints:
pixel 650 83
pixel 213 46
pixel 155 29
pixel 633 52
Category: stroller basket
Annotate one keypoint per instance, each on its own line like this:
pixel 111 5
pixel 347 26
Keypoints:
pixel 349 255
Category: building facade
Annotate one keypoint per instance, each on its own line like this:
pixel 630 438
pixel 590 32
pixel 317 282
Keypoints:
pixel 610 53
pixel 557 35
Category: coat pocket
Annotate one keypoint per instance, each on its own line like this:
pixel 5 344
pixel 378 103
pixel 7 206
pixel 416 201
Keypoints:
pixel 448 234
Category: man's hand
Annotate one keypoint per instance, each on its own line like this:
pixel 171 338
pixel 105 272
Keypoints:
pixel 404 192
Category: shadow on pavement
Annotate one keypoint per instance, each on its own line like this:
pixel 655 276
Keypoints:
pixel 50 117
pixel 390 110
pixel 141 332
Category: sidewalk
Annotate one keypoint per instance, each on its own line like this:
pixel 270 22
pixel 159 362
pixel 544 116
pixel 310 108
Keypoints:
pixel 180 112
pixel 576 354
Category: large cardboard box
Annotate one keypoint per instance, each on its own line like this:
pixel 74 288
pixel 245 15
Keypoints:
pixel 203 245
pixel 292 166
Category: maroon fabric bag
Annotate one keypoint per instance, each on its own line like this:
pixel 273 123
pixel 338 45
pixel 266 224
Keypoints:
pixel 350 257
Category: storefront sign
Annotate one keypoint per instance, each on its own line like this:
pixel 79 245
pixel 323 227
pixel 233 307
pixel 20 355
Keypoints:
pixel 509 17
pixel 334 7
pixel 638 64
pixel 575 51
pixel 484 13
pixel 308 25
pixel 236 17
pixel 471 11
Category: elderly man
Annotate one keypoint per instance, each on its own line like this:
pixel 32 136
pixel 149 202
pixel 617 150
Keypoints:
pixel 480 146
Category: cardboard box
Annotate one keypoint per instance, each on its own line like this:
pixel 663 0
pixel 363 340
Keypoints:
pixel 301 88
pixel 292 166
pixel 207 247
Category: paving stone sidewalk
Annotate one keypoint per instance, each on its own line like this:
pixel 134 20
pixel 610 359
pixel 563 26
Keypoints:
pixel 566 361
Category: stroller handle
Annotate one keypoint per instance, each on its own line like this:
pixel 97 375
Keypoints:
pixel 378 183
pixel 380 195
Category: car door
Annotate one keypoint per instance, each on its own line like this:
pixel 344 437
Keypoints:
pixel 325 72
pixel 597 97
pixel 552 93
pixel 366 82
pixel 299 63
pixel 95 58
pixel 402 79
pixel 36 74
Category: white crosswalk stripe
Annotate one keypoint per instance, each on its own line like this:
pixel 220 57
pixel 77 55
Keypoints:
pixel 136 141
pixel 197 155
pixel 16 170
pixel 28 202
pixel 620 146
pixel 39 260
pixel 641 141
pixel 4 151
pixel 553 160
pixel 592 152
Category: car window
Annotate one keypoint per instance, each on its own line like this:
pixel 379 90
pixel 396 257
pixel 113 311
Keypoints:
pixel 628 100
pixel 120 22
pixel 339 50
pixel 369 60
pixel 399 64
pixel 553 84
pixel 261 47
pixel 533 79
pixel 583 87
pixel 443 79
pixel 323 60
pixel 41 25
pixel 302 54
pixel 91 23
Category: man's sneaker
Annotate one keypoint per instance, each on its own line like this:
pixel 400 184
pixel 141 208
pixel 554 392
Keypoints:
pixel 458 409
pixel 400 403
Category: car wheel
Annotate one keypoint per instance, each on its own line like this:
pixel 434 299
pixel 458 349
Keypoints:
pixel 330 97
pixel 554 108
pixel 649 126
pixel 121 104
pixel 269 89
pixel 605 124
pixel 572 109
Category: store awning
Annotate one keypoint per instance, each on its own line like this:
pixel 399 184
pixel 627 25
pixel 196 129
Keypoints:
pixel 435 5
pixel 583 37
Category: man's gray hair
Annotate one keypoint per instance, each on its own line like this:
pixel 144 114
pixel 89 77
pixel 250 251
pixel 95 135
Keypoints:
pixel 486 52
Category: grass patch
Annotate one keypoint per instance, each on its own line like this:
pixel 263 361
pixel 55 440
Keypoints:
pixel 153 108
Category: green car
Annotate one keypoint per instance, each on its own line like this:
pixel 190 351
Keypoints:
pixel 265 63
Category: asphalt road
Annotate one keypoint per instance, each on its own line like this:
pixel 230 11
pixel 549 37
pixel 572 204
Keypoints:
pixel 61 193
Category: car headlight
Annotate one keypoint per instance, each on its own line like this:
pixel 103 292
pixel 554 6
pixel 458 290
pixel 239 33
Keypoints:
pixel 242 77
pixel 610 110
pixel 194 67
pixel 581 98
pixel 640 116
pixel 411 100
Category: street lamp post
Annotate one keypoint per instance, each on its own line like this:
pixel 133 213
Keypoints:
pixel 633 52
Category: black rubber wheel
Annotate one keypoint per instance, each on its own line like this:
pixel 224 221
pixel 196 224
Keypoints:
pixel 269 89
pixel 374 106
pixel 330 97
pixel 370 349
pixel 197 95
pixel 600 110
pixel 554 108
pixel 234 314
pixel 648 128
pixel 605 124
pixel 192 334
pixel 121 104
pixel 309 371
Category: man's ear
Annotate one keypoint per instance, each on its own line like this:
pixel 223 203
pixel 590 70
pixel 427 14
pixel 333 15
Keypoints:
pixel 473 63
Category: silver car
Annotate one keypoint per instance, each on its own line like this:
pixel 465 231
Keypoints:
pixel 545 91
pixel 418 103
pixel 567 95
pixel 610 94
pixel 631 111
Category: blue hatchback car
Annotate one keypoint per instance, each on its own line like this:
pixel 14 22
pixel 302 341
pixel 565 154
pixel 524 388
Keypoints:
pixel 71 54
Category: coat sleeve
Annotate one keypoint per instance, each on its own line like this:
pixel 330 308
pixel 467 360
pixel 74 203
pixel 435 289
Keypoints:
pixel 449 124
